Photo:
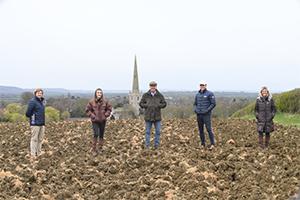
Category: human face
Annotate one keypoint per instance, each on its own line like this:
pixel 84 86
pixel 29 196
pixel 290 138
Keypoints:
pixel 264 93
pixel 153 88
pixel 99 94
pixel 39 94
pixel 202 87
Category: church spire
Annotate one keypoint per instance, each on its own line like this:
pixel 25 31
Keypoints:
pixel 135 85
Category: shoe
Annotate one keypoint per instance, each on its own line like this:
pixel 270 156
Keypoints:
pixel 267 141
pixel 260 141
pixel 100 144
pixel 211 147
pixel 94 147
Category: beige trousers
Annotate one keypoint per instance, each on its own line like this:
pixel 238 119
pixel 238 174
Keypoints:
pixel 37 135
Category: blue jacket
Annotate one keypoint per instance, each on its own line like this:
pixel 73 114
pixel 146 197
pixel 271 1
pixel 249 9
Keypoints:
pixel 36 111
pixel 204 102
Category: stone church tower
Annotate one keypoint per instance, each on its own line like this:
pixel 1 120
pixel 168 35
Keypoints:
pixel 135 95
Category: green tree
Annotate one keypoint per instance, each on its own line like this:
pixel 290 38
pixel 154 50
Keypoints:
pixel 65 115
pixel 2 118
pixel 52 114
pixel 25 97
pixel 14 112
pixel 78 109
pixel 13 108
pixel 17 117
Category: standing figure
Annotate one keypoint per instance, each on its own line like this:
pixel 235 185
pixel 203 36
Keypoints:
pixel 153 101
pixel 265 111
pixel 204 104
pixel 98 109
pixel 36 114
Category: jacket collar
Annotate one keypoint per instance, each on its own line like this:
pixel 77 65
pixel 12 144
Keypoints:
pixel 202 92
pixel 263 98
pixel 156 92
pixel 98 100
pixel 39 99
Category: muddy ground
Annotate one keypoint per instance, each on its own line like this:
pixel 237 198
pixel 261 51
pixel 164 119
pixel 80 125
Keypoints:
pixel 179 169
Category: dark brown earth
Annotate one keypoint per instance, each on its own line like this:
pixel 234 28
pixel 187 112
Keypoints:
pixel 235 169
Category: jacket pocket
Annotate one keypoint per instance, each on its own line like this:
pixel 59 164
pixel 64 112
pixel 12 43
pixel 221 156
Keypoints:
pixel 32 119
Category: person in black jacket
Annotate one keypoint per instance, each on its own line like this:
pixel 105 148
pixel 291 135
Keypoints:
pixel 36 114
pixel 153 101
pixel 265 111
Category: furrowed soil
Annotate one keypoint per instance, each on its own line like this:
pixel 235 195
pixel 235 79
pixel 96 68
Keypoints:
pixel 236 169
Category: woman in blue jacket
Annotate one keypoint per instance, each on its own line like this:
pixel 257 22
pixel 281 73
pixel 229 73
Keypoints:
pixel 36 114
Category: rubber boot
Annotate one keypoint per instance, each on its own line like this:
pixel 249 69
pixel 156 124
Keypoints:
pixel 260 141
pixel 267 142
pixel 100 143
pixel 94 147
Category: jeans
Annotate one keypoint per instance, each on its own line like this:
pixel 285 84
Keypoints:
pixel 98 129
pixel 205 120
pixel 157 125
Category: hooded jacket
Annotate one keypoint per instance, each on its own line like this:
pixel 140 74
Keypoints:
pixel 265 111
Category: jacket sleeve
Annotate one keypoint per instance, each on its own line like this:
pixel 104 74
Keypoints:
pixel 89 110
pixel 256 109
pixel 108 109
pixel 30 109
pixel 195 104
pixel 273 108
pixel 162 103
pixel 143 102
pixel 212 100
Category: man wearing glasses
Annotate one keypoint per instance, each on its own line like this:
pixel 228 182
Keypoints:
pixel 204 104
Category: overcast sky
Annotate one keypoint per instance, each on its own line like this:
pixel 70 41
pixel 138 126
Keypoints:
pixel 232 45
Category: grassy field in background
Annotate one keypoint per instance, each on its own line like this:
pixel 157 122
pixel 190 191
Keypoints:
pixel 281 118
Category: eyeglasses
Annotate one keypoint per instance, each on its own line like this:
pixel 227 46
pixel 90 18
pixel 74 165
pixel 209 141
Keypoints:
pixel 202 85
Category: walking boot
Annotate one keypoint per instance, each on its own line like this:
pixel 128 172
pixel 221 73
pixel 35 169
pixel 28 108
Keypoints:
pixel 267 142
pixel 94 147
pixel 100 144
pixel 260 141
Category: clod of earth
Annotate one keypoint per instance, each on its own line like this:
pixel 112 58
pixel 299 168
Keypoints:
pixel 236 169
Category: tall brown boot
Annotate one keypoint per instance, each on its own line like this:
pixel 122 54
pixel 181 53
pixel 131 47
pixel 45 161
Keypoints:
pixel 100 144
pixel 260 141
pixel 94 147
pixel 267 142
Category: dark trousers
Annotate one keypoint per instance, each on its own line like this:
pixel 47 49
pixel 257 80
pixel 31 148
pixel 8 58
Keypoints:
pixel 98 128
pixel 205 120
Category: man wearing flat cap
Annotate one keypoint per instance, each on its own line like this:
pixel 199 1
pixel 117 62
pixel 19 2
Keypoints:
pixel 153 101
pixel 204 104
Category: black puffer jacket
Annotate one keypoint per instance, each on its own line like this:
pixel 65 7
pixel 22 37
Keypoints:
pixel 153 105
pixel 265 111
